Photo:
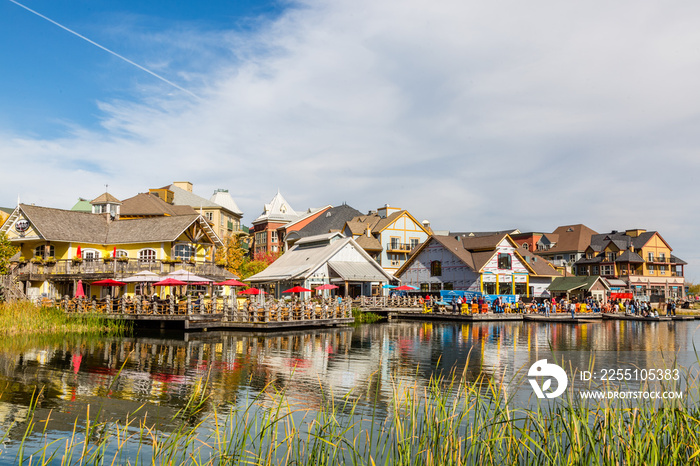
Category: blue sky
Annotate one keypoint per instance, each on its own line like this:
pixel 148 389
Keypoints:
pixel 474 115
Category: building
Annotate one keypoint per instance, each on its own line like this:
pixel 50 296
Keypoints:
pixel 527 241
pixel 278 218
pixel 329 221
pixel 59 247
pixel 325 259
pixel 565 245
pixel 146 205
pixel 637 261
pixel 220 210
pixel 491 265
pixel 388 235
pixel 579 288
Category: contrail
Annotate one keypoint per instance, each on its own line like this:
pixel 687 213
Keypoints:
pixel 106 49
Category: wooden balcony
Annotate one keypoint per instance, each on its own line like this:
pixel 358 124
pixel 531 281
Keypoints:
pixel 398 247
pixel 113 269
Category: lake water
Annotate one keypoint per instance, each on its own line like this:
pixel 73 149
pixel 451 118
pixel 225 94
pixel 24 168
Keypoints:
pixel 364 363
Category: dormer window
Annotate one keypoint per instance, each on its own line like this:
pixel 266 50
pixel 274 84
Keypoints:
pixel 283 209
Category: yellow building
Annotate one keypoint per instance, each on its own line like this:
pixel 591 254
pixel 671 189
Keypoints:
pixel 637 260
pixel 60 247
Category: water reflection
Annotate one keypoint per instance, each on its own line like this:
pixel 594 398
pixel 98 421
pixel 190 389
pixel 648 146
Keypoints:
pixel 119 375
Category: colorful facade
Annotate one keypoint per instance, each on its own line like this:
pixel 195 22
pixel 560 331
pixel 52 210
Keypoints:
pixel 637 260
pixel 491 265
pixel 60 247
pixel 388 235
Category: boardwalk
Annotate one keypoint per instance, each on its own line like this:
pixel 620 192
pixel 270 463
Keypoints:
pixel 220 312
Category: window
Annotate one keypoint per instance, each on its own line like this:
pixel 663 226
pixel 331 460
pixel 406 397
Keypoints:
pixel 662 269
pixel 651 268
pixel 435 269
pixel 589 255
pixel 610 256
pixel 490 288
pixel 582 270
pixel 607 270
pixel 662 257
pixel 90 255
pixel 595 270
pixel 447 286
pixel 122 253
pixel 184 251
pixel 505 288
pixel 504 261
pixel 395 243
pixel 45 251
pixel 273 237
pixel 651 257
pixel 261 237
pixel 414 242
pixel 209 216
pixel 425 287
pixel 521 288
pixel 147 255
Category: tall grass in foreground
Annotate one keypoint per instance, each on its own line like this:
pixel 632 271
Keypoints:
pixel 25 317
pixel 451 421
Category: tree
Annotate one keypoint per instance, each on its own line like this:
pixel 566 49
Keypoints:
pixel 251 267
pixel 694 288
pixel 232 254
pixel 7 250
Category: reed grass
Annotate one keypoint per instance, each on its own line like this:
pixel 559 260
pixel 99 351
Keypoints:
pixel 448 421
pixel 21 318
pixel 362 317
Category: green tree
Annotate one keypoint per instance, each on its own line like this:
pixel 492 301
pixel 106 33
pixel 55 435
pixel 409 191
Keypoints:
pixel 7 250
pixel 251 267
pixel 694 288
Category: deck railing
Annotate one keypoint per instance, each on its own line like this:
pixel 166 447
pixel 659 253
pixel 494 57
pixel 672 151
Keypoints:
pixel 224 308
pixel 117 267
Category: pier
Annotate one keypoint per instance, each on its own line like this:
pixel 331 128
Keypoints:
pixel 217 313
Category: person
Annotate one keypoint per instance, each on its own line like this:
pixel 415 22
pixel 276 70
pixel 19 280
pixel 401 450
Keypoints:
pixel 454 304
pixel 673 307
pixel 459 304
pixel 546 308
pixel 572 308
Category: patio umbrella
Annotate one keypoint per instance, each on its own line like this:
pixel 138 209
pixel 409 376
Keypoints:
pixel 108 282
pixel 405 288
pixel 79 290
pixel 170 282
pixel 252 291
pixel 327 287
pixel 143 277
pixel 230 282
pixel 389 286
pixel 187 276
pixel 79 253
pixel 296 289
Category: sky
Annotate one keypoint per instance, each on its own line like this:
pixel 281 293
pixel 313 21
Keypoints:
pixel 476 116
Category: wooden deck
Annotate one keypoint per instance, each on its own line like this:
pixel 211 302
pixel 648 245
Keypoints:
pixel 219 313
pixel 564 318
pixel 620 316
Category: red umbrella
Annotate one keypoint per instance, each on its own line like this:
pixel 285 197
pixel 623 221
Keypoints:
pixel 230 282
pixel 169 282
pixel 79 253
pixel 405 288
pixel 327 287
pixel 252 291
pixel 296 289
pixel 79 289
pixel 108 282
pixel 114 253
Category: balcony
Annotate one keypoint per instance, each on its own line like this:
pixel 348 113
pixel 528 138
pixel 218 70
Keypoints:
pixel 398 247
pixel 659 259
pixel 101 268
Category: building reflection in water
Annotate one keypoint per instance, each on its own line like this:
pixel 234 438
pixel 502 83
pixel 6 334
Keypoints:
pixel 363 363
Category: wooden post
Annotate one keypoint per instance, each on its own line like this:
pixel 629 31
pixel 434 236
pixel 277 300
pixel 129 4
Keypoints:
pixel 109 304
pixel 171 304
pixel 189 305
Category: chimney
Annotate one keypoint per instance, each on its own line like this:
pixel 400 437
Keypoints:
pixel 186 185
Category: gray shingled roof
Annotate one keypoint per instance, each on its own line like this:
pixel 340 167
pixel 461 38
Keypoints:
pixel 332 220
pixel 81 227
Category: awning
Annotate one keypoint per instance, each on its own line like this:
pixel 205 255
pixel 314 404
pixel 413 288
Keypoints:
pixel 357 271
pixel 615 282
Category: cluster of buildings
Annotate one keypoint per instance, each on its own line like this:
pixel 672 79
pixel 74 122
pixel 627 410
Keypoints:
pixel 172 228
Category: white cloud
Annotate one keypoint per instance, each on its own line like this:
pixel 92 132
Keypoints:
pixel 475 115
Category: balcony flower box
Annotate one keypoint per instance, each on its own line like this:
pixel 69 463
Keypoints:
pixel 51 260
pixel 37 260
pixel 77 260
pixel 122 259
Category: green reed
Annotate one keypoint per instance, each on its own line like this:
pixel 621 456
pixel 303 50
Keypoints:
pixel 24 317
pixel 447 421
